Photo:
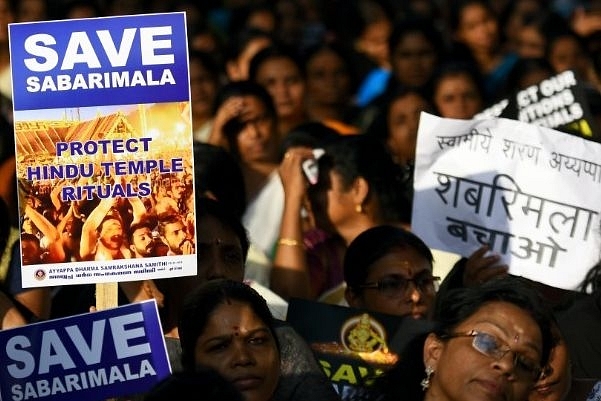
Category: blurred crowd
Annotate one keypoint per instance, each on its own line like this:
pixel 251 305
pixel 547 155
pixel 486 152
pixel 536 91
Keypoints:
pixel 305 116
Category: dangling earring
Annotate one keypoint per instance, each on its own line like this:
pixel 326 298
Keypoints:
pixel 425 383
pixel 359 208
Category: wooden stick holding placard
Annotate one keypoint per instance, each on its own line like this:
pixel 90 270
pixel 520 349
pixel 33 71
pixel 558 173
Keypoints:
pixel 107 295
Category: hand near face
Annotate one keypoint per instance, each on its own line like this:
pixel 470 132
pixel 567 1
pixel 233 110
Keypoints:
pixel 585 23
pixel 187 248
pixel 230 109
pixel 480 268
pixel 291 173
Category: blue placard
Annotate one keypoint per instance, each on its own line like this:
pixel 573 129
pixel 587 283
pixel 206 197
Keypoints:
pixel 94 356
pixel 99 61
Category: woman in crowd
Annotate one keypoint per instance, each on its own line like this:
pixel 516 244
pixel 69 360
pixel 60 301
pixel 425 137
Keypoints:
pixel 457 91
pixel 352 194
pixel 388 269
pixel 475 29
pixel 532 35
pixel 246 125
pixel 227 326
pixel 527 72
pixel 331 84
pixel 566 50
pixel 514 16
pixel 280 72
pixel 579 322
pixel 491 343
pixel 366 25
pixel 205 81
pixel 415 47
pixel 298 229
pixel 223 247
pixel 396 127
pixel 241 49
pixel 555 381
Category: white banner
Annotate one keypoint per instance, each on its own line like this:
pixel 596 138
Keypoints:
pixel 533 194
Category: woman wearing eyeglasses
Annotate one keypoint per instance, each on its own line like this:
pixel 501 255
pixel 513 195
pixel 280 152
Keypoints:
pixel 489 344
pixel 388 269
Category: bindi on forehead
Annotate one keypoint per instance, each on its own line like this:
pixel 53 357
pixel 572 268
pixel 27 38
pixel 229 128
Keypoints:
pixel 407 266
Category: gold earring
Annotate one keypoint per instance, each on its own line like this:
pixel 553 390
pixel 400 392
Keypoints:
pixel 359 208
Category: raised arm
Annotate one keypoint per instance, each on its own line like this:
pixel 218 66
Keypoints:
pixel 88 230
pixel 56 252
pixel 290 275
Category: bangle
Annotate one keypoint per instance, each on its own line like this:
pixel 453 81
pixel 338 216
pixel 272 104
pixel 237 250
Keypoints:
pixel 289 242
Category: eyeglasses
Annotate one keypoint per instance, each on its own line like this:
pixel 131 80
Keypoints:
pixel 491 346
pixel 397 286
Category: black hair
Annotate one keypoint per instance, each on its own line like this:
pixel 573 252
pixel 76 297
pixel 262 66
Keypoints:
pixel 343 52
pixel 273 52
pixel 522 67
pixel 233 127
pixel 207 61
pixel 148 220
pixel 241 15
pixel 374 243
pixel 217 173
pixel 216 208
pixel 5 226
pixel 169 217
pixel 459 49
pixel 402 381
pixel 555 33
pixel 30 237
pixel 200 304
pixel 354 156
pixel 379 127
pixel 592 281
pixel 453 68
pixel 244 88
pixel 414 26
pixel 312 134
pixel 352 17
pixel 112 214
pixel 456 305
pixel 457 8
pixel 422 25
